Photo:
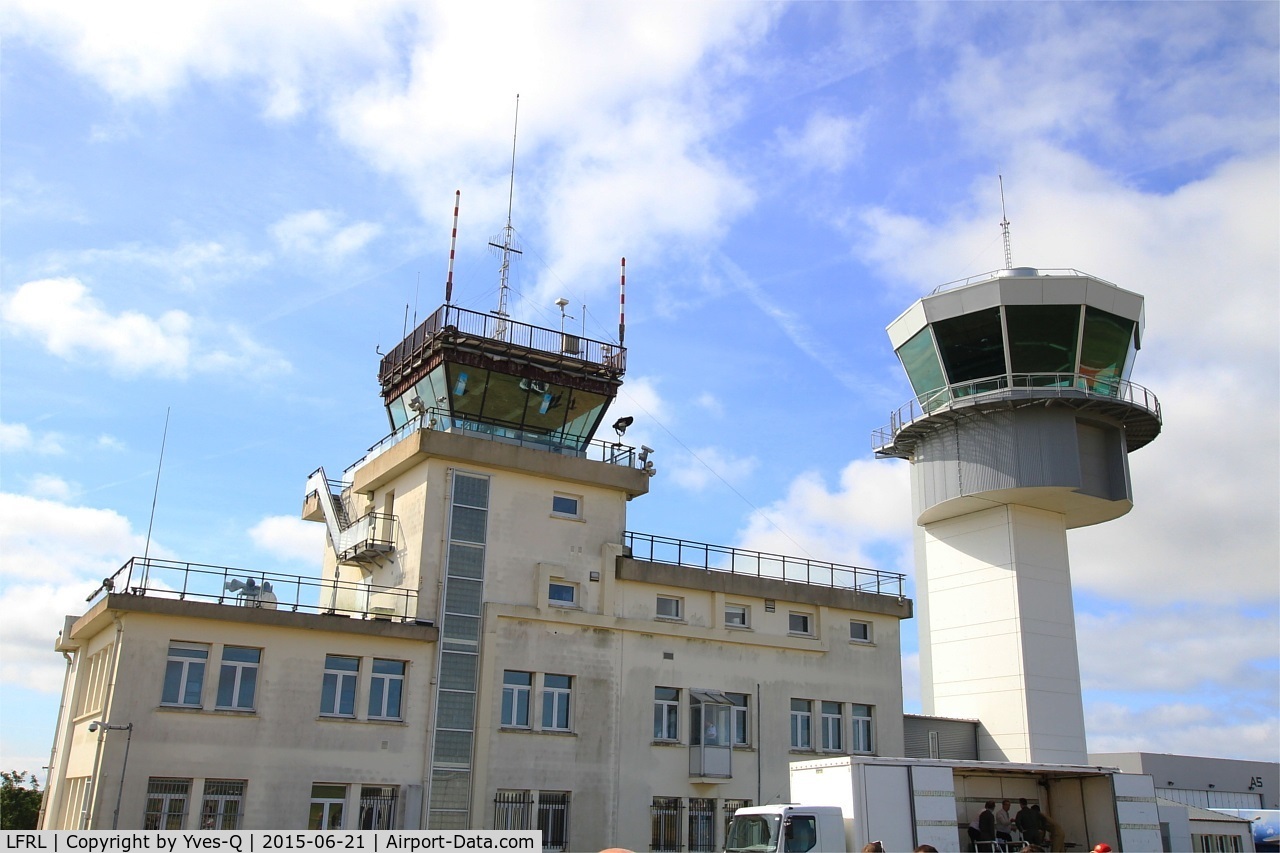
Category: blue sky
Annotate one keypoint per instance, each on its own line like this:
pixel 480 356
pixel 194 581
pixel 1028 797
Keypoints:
pixel 222 208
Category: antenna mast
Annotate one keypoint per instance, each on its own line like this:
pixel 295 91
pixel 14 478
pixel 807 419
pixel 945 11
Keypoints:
pixel 1004 227
pixel 453 245
pixel 508 245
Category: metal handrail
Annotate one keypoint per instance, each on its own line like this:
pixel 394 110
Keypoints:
pixel 611 452
pixel 174 579
pixel 1004 386
pixel 452 320
pixel 987 276
pixel 761 564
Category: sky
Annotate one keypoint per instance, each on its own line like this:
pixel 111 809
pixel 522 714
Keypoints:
pixel 221 210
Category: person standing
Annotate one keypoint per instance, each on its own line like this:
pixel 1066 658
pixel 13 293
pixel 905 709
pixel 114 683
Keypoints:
pixel 1004 822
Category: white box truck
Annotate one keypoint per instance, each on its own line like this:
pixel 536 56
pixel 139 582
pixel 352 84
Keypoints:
pixel 842 803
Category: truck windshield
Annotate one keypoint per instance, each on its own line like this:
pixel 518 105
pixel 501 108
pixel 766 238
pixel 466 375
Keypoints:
pixel 756 833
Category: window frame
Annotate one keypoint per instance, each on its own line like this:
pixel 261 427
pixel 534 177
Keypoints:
pixel 862 729
pixel 380 688
pixel 186 664
pixel 238 671
pixel 220 802
pixel 552 819
pixel 575 515
pixel 866 640
pixel 740 715
pixel 561 583
pixel 165 797
pixel 832 726
pixel 325 803
pixel 557 703
pixel 521 699
pixel 792 616
pixel 744 610
pixel 802 725
pixel 676 600
pixel 666 714
pixel 341 678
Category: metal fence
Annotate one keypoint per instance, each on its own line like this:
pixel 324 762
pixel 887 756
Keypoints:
pixel 665 818
pixel 251 588
pixel 1012 386
pixel 740 561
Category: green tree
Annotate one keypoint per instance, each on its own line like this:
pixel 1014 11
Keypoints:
pixel 19 804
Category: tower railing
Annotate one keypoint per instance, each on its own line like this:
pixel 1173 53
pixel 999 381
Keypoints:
pixel 174 579
pixel 454 321
pixel 1012 386
pixel 761 564
pixel 610 452
pixel 987 276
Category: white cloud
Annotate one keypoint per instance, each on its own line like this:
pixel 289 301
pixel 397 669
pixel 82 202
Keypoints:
pixel 826 143
pixel 289 538
pixel 51 556
pixel 51 486
pixel 702 466
pixel 1182 728
pixel 190 265
pixel 869 508
pixel 708 402
pixel 316 232
pixel 62 315
pixel 18 438
pixel 110 442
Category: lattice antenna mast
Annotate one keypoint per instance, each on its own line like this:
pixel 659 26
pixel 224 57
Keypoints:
pixel 507 245
pixel 1004 227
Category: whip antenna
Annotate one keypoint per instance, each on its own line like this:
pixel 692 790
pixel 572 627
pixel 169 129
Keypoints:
pixel 1004 227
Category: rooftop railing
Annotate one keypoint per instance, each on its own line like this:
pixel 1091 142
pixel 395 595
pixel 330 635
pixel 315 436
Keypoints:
pixel 1012 386
pixel 238 587
pixel 1003 273
pixel 613 453
pixel 454 320
pixel 760 564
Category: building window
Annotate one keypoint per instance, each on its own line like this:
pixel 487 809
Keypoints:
pixel 386 687
pixel 727 809
pixel 517 687
pixel 861 733
pixel 238 677
pixel 740 727
pixel 166 803
pixel 664 822
pixel 223 804
pixel 666 713
pixel 378 806
pixel 737 616
pixel 327 802
pixel 566 506
pixel 800 623
pixel 553 819
pixel 184 674
pixel 556 704
pixel 801 724
pixel 832 725
pixel 564 594
pixel 512 810
pixel 338 696
pixel 702 825
pixel 859 632
pixel 670 608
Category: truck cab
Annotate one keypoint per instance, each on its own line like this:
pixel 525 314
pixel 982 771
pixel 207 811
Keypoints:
pixel 787 828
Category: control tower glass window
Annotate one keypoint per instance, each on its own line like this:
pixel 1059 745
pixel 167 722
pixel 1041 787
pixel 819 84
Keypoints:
pixel 972 347
pixel 1042 339
pixel 920 360
pixel 1105 349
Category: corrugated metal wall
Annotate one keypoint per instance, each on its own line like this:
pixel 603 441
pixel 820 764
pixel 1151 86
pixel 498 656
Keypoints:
pixel 957 739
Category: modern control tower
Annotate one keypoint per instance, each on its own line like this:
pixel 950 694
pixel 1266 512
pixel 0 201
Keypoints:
pixel 1020 427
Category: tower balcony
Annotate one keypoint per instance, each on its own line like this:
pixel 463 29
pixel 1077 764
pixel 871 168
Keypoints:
pixel 1127 404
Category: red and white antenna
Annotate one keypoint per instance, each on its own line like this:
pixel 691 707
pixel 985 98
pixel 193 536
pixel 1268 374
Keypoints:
pixel 1004 226
pixel 453 246
pixel 622 305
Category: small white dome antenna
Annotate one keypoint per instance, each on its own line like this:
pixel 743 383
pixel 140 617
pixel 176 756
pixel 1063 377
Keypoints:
pixel 1004 228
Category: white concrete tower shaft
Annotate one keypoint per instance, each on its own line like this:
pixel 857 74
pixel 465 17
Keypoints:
pixel 1019 430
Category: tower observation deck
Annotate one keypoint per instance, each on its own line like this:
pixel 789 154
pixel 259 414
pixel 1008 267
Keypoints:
pixel 1020 429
